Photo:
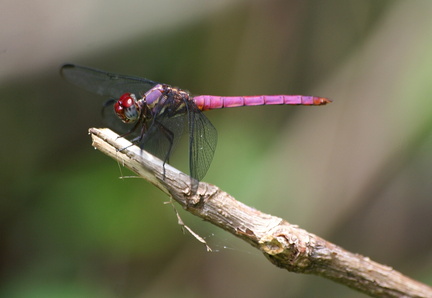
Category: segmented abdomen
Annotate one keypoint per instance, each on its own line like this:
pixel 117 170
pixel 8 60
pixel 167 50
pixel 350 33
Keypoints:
pixel 209 102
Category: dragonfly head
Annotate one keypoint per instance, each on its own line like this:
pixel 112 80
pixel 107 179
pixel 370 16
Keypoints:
pixel 127 108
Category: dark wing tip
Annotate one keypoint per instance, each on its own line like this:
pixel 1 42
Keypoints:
pixel 66 66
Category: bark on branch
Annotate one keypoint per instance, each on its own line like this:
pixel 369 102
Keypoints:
pixel 285 245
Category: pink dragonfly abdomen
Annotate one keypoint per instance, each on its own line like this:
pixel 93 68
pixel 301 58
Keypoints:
pixel 210 102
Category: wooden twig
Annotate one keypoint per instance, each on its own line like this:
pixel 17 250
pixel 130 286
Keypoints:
pixel 285 245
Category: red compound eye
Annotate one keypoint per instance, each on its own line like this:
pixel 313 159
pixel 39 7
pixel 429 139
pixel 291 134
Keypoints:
pixel 118 108
pixel 125 102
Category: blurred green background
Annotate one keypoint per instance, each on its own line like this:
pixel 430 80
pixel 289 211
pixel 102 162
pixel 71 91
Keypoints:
pixel 356 172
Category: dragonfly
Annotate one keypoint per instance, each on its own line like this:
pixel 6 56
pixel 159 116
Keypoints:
pixel 157 114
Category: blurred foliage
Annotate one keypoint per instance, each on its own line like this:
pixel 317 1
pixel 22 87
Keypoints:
pixel 355 172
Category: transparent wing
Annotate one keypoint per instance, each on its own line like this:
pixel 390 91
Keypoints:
pixel 105 83
pixel 165 128
pixel 202 142
pixel 112 121
pixel 163 136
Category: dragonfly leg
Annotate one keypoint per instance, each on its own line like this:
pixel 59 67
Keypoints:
pixel 170 137
pixel 133 141
pixel 137 139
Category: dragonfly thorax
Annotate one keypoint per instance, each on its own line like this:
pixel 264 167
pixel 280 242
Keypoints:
pixel 127 108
